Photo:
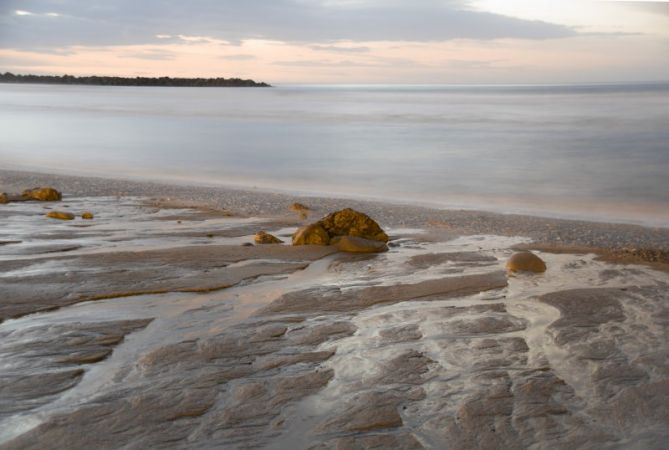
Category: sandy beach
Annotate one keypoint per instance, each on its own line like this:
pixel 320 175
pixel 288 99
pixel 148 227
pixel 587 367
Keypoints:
pixel 158 324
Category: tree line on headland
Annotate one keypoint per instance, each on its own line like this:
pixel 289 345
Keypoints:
pixel 123 81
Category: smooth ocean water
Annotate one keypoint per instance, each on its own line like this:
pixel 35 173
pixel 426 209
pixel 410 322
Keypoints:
pixel 594 151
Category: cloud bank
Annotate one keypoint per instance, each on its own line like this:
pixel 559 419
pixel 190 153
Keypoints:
pixel 40 24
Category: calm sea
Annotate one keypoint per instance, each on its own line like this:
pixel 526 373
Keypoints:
pixel 593 151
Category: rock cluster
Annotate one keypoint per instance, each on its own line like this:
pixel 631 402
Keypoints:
pixel 40 194
pixel 350 230
pixel 43 194
pixel 349 222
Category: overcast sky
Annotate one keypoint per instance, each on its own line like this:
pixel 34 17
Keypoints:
pixel 341 41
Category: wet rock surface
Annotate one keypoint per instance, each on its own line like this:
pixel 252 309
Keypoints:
pixel 41 362
pixel 428 345
pixel 353 244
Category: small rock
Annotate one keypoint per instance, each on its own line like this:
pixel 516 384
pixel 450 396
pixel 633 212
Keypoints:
pixel 4 198
pixel 87 216
pixel 265 238
pixel 299 207
pixel 61 215
pixel 42 194
pixel 354 244
pixel 313 234
pixel 525 262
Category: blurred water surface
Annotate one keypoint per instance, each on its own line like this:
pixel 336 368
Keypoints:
pixel 592 151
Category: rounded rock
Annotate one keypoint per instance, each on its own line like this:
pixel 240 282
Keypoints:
pixel 87 216
pixel 525 262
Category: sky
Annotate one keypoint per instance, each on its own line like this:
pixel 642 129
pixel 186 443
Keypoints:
pixel 341 41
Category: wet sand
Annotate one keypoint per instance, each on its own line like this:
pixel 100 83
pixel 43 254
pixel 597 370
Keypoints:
pixel 153 326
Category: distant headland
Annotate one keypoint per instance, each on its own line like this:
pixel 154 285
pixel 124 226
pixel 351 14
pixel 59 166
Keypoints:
pixel 123 81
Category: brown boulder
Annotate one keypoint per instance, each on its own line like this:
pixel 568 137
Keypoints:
pixel 349 222
pixel 525 262
pixel 354 244
pixel 313 234
pixel 60 215
pixel 42 194
pixel 262 237
pixel 87 216
pixel 4 198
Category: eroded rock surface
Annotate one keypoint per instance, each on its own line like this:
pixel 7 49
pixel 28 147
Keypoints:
pixel 41 362
pixel 427 345
pixel 333 299
pixel 188 269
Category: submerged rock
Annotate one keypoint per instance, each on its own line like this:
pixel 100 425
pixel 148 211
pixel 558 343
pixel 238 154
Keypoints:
pixel 354 244
pixel 313 234
pixel 61 215
pixel 265 238
pixel 349 222
pixel 42 194
pixel 87 216
pixel 525 262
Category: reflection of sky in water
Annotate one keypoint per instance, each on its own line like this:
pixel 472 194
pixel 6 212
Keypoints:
pixel 537 147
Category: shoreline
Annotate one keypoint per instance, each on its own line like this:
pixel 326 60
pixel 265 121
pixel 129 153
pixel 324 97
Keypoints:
pixel 619 242
pixel 160 314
